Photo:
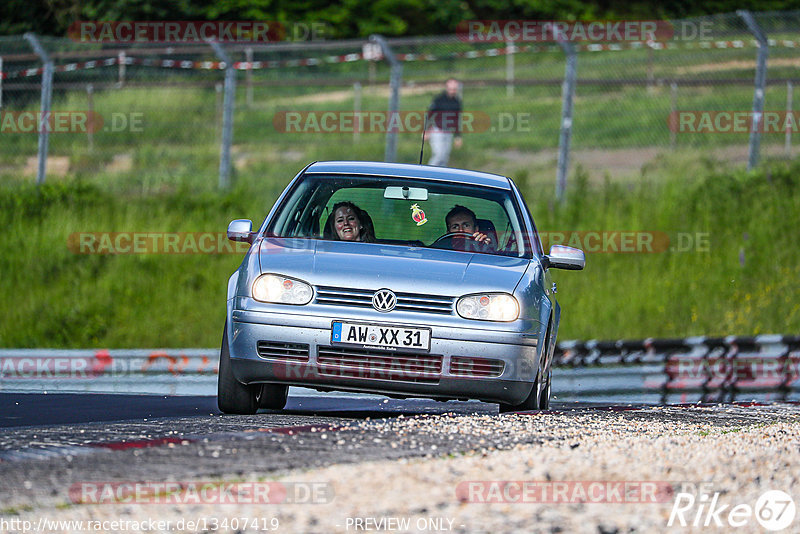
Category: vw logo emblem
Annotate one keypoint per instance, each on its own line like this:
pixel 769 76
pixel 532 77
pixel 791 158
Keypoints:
pixel 384 300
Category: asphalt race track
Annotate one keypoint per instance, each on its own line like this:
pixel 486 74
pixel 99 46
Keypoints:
pixel 28 409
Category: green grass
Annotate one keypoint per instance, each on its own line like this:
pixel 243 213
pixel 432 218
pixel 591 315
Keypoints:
pixel 746 283
pixel 181 125
pixel 54 297
pixel 164 179
pixel 15 510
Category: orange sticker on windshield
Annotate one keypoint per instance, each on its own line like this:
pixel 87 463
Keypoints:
pixel 418 215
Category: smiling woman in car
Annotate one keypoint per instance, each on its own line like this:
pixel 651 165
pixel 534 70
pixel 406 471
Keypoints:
pixel 348 222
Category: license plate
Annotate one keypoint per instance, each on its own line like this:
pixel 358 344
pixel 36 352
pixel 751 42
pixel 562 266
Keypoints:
pixel 381 336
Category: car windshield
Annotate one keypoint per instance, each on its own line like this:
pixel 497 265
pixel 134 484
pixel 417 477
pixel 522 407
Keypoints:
pixel 405 212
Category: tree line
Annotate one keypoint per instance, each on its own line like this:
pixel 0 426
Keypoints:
pixel 356 18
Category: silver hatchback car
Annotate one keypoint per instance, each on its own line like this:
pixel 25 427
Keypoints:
pixel 401 280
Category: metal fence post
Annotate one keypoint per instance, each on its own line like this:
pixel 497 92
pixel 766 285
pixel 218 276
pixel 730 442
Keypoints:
pixel 390 154
pixel 1 81
pixel 760 82
pixel 248 55
pixel 227 116
pixel 356 110
pixel 46 99
pixel 122 65
pixel 90 106
pixel 788 142
pixel 565 135
pixel 218 112
pixel 673 132
pixel 511 49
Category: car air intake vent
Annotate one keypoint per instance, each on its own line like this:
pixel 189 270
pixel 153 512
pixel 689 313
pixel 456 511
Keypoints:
pixel 354 362
pixel 292 352
pixel 362 298
pixel 476 367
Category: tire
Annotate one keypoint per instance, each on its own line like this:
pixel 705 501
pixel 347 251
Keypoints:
pixel 273 396
pixel 539 398
pixel 233 397
pixel 530 403
pixel 544 398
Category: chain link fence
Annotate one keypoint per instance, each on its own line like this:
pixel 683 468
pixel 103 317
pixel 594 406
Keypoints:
pixel 149 116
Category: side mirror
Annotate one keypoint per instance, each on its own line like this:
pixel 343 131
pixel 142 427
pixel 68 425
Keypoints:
pixel 240 230
pixel 563 257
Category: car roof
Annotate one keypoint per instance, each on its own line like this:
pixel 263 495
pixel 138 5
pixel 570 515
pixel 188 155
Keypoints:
pixel 405 170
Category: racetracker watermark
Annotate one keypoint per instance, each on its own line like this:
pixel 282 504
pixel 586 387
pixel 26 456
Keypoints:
pixel 195 31
pixel 629 242
pixel 741 368
pixel 194 492
pixel 591 242
pixel 551 31
pixel 734 121
pixel 67 365
pixel 154 243
pixel 401 367
pixel 53 122
pixel 53 366
pixel 61 122
pixel 564 492
pixel 467 122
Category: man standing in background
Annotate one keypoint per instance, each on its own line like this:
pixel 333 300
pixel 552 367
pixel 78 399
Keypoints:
pixel 444 123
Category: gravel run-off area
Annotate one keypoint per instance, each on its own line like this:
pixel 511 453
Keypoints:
pixel 727 456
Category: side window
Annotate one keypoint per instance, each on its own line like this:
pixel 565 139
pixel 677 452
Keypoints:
pixel 305 219
pixel 535 242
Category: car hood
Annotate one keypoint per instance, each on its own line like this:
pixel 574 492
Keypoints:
pixel 399 268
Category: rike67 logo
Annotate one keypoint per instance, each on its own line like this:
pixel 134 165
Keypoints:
pixel 697 506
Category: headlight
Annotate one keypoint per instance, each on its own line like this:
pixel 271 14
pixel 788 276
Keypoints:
pixel 488 307
pixel 282 290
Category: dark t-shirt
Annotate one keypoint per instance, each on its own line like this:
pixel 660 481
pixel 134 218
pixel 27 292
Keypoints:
pixel 445 113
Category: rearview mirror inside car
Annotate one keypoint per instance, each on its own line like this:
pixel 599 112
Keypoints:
pixel 406 193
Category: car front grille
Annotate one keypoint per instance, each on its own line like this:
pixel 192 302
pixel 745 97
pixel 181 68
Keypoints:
pixel 362 298
pixel 291 352
pixel 476 367
pixel 353 362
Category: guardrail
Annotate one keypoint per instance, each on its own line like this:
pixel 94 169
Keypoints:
pixel 696 369
pixel 148 371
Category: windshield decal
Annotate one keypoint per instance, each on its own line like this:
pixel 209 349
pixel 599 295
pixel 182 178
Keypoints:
pixel 418 215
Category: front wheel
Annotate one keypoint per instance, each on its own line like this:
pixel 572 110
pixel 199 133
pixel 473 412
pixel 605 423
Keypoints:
pixel 232 396
pixel 544 398
pixel 530 403
pixel 272 396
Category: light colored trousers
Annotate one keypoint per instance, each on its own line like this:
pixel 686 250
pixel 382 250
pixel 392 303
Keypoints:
pixel 441 144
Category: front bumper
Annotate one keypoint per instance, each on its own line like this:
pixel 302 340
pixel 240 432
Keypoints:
pixel 401 376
